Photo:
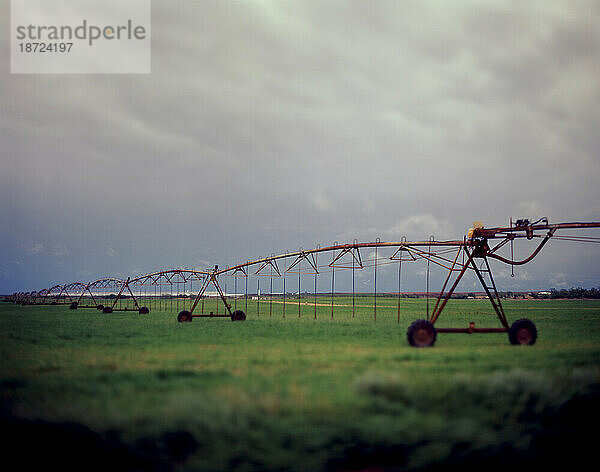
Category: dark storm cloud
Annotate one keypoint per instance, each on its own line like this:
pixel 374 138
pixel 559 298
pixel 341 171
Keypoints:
pixel 266 126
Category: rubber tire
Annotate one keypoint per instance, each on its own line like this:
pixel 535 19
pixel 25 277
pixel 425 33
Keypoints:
pixel 522 333
pixel 238 315
pixel 107 309
pixel 73 306
pixel 143 311
pixel 53 303
pixel 421 333
pixel 184 317
pixel 99 307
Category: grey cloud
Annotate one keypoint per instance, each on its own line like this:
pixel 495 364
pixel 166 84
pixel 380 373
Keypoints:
pixel 33 248
pixel 273 125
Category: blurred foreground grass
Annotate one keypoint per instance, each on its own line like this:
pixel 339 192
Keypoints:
pixel 143 392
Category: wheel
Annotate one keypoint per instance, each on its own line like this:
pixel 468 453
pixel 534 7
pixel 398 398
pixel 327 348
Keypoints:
pixel 421 334
pixel 53 303
pixel 522 332
pixel 107 309
pixel 100 307
pixel 143 311
pixel 73 306
pixel 238 315
pixel 184 316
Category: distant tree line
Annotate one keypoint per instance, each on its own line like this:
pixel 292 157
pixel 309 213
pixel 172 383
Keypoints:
pixel 575 292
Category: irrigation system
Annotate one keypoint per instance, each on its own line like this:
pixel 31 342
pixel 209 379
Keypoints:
pixel 185 291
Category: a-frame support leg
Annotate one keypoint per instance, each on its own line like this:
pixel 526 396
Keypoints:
pixel 213 279
pixel 494 298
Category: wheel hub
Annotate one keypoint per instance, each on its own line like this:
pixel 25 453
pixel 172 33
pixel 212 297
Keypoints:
pixel 524 336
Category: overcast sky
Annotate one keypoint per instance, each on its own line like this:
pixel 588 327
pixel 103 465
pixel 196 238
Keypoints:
pixel 266 126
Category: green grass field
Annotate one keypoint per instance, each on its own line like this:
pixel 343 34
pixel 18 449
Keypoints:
pixel 122 391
